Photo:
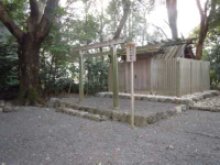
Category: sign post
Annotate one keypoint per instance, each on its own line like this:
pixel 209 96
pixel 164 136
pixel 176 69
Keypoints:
pixel 81 79
pixel 131 57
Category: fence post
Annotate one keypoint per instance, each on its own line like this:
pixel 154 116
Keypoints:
pixel 190 78
pixel 115 84
pixel 178 77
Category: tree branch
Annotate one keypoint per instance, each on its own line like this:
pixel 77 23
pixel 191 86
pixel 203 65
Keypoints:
pixel 34 9
pixel 47 18
pixel 127 10
pixel 206 6
pixel 172 17
pixel 199 7
pixel 201 11
pixel 204 26
pixel 33 20
pixel 8 22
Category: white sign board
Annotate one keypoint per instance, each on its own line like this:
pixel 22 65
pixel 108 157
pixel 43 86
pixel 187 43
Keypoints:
pixel 130 52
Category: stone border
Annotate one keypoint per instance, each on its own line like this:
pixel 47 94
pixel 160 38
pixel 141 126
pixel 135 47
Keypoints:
pixel 202 108
pixel 83 114
pixel 189 99
pixel 114 115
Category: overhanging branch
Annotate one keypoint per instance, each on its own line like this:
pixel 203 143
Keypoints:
pixel 9 23
pixel 127 10
pixel 47 18
pixel 34 9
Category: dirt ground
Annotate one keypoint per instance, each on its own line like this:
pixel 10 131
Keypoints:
pixel 34 136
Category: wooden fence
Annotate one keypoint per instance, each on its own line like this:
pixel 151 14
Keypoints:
pixel 174 76
pixel 194 76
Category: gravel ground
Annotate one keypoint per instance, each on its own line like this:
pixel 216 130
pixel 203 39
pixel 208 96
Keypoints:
pixel 36 136
pixel 141 107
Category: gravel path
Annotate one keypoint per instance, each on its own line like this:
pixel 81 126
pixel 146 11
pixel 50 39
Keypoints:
pixel 36 136
pixel 141 107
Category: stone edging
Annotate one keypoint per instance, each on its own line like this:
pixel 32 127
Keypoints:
pixel 177 100
pixel 202 108
pixel 83 114
pixel 124 117
pixel 147 97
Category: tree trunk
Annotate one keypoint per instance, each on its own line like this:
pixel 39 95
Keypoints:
pixel 29 70
pixel 38 26
pixel 199 50
pixel 202 35
pixel 126 12
pixel 204 26
pixel 172 17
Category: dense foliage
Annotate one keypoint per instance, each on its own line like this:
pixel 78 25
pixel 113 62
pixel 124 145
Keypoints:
pixel 8 66
pixel 212 44
pixel 212 53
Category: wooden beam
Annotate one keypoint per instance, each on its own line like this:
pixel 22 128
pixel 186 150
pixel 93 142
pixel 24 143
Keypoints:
pixel 122 52
pixel 81 75
pixel 98 54
pixel 101 44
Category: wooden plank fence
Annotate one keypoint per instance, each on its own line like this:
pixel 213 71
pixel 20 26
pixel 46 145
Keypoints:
pixel 173 76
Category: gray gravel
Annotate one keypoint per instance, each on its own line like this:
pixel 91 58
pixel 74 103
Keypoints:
pixel 34 136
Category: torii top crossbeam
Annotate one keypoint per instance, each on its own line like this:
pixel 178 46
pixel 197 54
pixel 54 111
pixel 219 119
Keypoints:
pixel 101 44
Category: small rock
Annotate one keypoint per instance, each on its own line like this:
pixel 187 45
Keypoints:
pixel 170 147
pixel 179 109
pixel 7 108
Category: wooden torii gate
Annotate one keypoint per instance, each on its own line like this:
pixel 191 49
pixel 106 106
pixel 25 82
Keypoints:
pixel 115 80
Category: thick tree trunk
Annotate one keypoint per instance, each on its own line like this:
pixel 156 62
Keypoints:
pixel 29 70
pixel 38 26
